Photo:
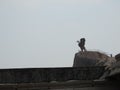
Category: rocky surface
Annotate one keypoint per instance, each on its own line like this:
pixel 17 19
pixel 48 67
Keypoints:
pixel 117 57
pixel 114 72
pixel 93 58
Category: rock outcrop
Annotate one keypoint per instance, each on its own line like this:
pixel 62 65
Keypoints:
pixel 117 57
pixel 114 73
pixel 92 58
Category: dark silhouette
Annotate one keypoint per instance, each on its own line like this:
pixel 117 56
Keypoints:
pixel 81 44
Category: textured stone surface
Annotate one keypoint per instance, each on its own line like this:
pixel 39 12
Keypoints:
pixel 68 85
pixel 37 75
pixel 114 72
pixel 92 58
pixel 117 57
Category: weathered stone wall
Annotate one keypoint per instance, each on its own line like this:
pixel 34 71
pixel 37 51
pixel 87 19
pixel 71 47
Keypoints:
pixel 37 75
pixel 81 78
pixel 69 85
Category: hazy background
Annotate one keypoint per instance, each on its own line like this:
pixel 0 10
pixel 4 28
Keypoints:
pixel 43 33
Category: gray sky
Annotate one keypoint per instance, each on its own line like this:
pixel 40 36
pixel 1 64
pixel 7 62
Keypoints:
pixel 43 33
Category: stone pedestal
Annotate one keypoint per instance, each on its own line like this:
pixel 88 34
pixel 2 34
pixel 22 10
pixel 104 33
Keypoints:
pixel 92 58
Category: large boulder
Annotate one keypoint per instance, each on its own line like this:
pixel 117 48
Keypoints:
pixel 92 58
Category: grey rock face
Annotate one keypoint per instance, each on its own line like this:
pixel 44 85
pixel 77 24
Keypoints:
pixel 114 73
pixel 92 58
pixel 117 57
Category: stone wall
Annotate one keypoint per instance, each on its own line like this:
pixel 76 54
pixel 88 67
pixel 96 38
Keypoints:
pixel 38 75
pixel 68 85
pixel 80 78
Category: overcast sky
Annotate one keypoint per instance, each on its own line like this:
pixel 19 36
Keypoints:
pixel 43 33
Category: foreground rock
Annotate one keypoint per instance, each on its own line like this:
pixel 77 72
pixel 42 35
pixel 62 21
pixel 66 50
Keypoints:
pixel 114 73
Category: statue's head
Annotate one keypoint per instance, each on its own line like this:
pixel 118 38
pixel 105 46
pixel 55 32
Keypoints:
pixel 82 39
